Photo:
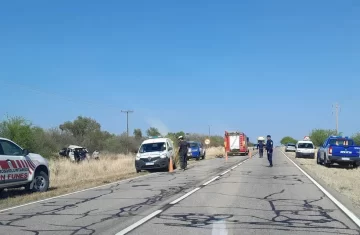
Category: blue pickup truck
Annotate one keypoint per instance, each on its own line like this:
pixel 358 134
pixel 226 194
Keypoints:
pixel 340 150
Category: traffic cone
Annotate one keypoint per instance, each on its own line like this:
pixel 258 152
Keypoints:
pixel 171 168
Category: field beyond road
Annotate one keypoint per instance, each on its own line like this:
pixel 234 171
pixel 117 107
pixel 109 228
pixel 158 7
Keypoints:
pixel 67 177
pixel 343 180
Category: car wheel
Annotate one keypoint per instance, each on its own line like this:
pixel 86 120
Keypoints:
pixel 296 155
pixel 327 163
pixel 138 171
pixel 41 182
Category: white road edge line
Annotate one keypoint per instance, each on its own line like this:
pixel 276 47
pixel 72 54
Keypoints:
pixel 140 222
pixel 213 179
pixel 232 168
pixel 225 172
pixel 184 196
pixel 351 215
pixel 68 194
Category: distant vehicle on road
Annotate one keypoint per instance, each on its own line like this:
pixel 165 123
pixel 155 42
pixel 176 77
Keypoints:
pixel 19 168
pixel 340 150
pixel 196 150
pixel 236 143
pixel 290 147
pixel 305 148
pixel 155 153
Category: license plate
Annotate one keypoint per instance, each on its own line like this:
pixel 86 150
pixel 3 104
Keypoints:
pixel 149 163
pixel 345 158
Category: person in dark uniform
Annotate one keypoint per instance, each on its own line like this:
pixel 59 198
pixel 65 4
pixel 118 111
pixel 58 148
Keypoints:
pixel 183 150
pixel 261 148
pixel 269 149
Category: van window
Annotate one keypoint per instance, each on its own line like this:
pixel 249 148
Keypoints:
pixel 153 147
pixel 305 146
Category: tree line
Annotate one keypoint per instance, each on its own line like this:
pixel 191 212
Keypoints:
pixel 86 132
pixel 318 137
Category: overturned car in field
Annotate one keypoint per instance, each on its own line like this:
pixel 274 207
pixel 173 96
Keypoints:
pixel 74 153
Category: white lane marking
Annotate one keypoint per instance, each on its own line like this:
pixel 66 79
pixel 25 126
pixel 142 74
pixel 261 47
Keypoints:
pixel 213 179
pixel 232 168
pixel 184 196
pixel 68 194
pixel 351 215
pixel 140 222
pixel 225 172
pixel 219 228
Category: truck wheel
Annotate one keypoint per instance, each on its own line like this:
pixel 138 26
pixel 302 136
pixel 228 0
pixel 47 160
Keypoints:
pixel 203 157
pixel 318 161
pixel 327 163
pixel 138 171
pixel 41 182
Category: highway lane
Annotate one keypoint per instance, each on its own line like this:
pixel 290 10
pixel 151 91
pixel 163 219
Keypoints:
pixel 112 208
pixel 254 199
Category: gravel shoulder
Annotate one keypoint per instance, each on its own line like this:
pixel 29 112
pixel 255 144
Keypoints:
pixel 343 181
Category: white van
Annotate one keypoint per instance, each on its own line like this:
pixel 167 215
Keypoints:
pixel 305 148
pixel 155 153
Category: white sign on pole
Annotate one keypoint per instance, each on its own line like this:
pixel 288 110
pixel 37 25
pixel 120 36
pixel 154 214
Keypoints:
pixel 207 141
pixel 306 138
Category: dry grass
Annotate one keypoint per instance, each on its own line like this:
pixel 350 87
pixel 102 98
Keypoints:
pixel 343 180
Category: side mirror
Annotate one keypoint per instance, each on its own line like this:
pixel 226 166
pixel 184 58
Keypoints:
pixel 26 152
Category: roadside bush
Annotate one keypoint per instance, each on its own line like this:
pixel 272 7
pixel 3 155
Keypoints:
pixel 318 136
pixel 288 139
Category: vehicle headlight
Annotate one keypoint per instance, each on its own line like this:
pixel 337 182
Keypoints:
pixel 163 155
pixel 137 157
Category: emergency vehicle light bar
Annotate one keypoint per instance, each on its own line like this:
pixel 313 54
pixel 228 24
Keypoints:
pixel 155 137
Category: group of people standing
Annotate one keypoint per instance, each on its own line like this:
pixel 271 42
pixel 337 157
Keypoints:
pixel 184 146
pixel 269 146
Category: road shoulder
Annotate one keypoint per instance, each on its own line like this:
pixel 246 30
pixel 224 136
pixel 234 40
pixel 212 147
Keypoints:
pixel 346 201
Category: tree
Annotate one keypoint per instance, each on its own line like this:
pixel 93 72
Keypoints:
pixel 318 136
pixel 18 130
pixel 81 127
pixel 288 139
pixel 152 131
pixel 138 134
pixel 356 138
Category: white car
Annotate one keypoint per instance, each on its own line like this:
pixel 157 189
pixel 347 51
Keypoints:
pixel 19 168
pixel 305 148
pixel 155 153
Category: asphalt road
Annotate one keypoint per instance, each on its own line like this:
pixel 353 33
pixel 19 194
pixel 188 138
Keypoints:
pixel 249 199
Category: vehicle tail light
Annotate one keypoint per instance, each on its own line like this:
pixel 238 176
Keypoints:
pixel 330 150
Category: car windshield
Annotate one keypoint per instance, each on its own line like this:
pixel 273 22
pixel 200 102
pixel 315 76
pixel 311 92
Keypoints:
pixel 292 145
pixel 341 142
pixel 153 147
pixel 193 145
pixel 305 146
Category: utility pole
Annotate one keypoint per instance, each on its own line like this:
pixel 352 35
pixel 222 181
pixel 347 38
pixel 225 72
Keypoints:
pixel 209 130
pixel 127 126
pixel 337 109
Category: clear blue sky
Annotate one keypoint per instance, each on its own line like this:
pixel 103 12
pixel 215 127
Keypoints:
pixel 262 67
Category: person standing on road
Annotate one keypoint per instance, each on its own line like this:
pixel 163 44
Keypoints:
pixel 269 149
pixel 261 148
pixel 183 150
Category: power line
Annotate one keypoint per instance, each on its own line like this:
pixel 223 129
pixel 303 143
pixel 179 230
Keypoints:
pixel 127 120
pixel 337 110
pixel 127 127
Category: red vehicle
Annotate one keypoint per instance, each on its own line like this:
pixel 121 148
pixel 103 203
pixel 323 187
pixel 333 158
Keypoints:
pixel 236 143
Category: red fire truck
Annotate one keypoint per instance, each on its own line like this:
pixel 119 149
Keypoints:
pixel 236 143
